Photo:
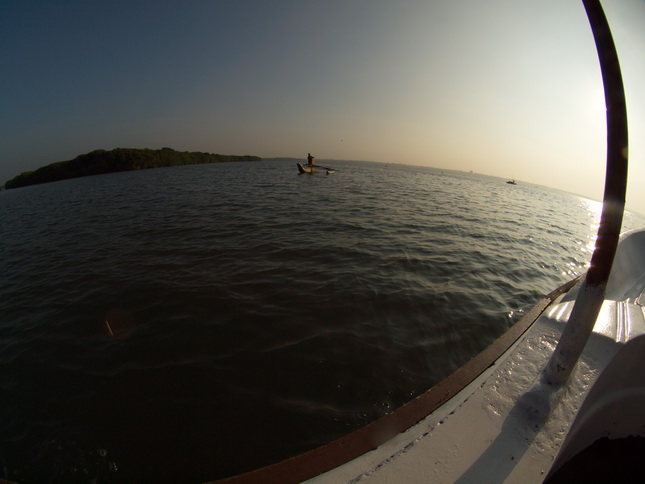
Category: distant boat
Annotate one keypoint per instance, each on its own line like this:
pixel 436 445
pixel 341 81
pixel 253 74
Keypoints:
pixel 305 168
pixel 511 182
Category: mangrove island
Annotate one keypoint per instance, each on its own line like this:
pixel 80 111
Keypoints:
pixel 100 162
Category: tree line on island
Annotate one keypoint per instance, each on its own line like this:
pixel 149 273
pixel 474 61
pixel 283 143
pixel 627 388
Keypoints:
pixel 100 162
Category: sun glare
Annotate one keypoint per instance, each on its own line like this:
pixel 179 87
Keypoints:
pixel 594 209
pixel 596 109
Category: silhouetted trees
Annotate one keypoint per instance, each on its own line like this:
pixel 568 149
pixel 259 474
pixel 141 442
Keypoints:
pixel 99 162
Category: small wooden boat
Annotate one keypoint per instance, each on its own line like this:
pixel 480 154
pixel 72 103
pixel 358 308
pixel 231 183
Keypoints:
pixel 305 168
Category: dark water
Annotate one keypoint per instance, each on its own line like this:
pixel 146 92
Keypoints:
pixel 185 324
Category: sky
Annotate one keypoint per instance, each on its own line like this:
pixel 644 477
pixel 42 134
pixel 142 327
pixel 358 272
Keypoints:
pixel 509 88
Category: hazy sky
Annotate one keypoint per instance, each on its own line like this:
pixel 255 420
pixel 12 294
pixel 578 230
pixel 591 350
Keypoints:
pixel 508 88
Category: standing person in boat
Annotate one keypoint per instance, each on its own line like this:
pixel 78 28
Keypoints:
pixel 310 159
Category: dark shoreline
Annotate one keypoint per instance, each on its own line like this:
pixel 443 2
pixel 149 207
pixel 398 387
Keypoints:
pixel 100 162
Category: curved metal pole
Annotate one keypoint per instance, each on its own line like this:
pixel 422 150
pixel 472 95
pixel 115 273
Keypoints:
pixel 592 293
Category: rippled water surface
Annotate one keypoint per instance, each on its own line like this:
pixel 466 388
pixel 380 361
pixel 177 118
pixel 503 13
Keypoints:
pixel 186 324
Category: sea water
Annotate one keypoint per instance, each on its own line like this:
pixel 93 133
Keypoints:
pixel 190 323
